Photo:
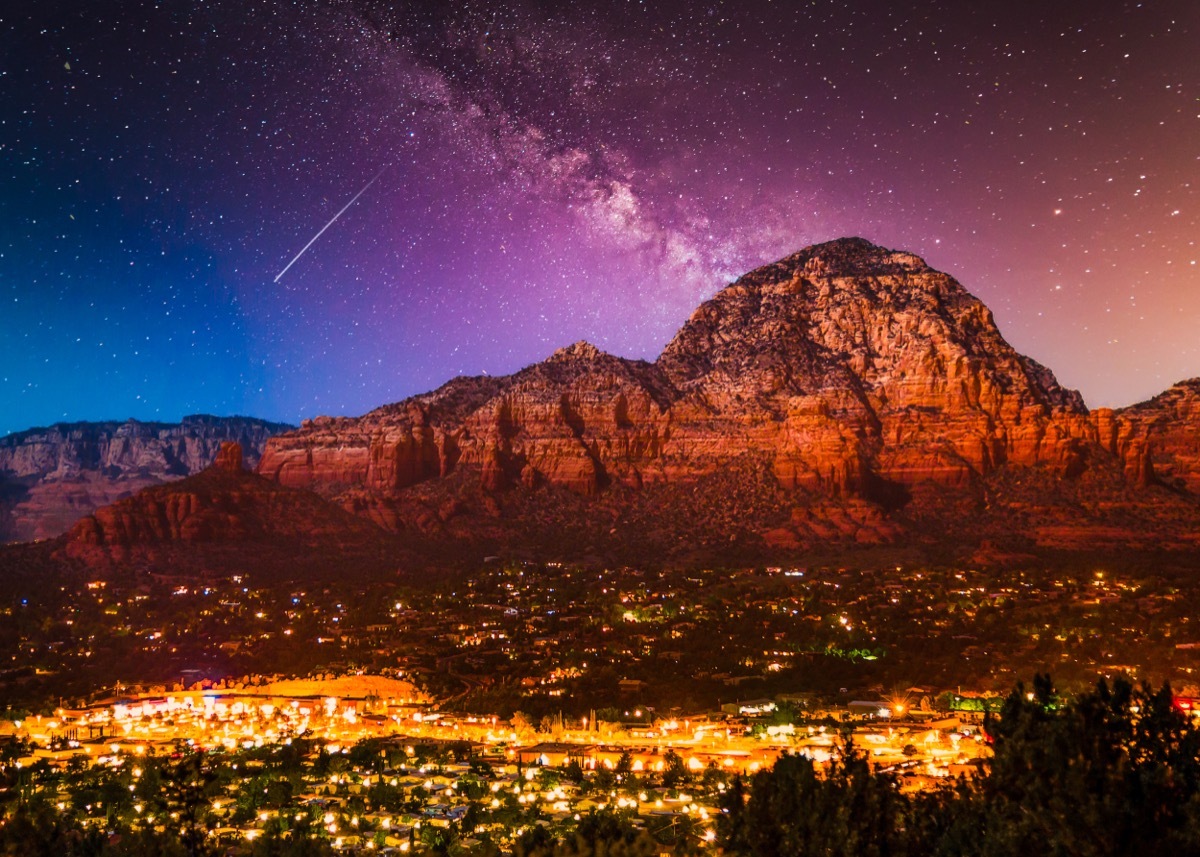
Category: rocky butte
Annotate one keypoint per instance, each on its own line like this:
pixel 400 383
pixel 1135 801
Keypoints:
pixel 845 392
pixel 51 477
pixel 228 519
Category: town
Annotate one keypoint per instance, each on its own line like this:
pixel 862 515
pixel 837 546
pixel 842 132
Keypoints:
pixel 381 768
pixel 525 700
pixel 550 640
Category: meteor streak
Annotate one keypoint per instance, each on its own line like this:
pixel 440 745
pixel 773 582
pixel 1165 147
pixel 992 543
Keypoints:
pixel 353 200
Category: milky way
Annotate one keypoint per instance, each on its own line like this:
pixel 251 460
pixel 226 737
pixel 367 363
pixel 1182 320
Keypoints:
pixel 553 174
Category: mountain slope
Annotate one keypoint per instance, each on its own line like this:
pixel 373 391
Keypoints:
pixel 1159 440
pixel 225 519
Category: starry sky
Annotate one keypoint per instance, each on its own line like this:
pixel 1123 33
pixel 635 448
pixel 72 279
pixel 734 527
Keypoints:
pixel 536 173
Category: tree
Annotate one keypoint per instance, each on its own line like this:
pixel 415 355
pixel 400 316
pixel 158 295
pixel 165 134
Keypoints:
pixel 713 777
pixel 604 781
pixel 298 841
pixel 675 771
pixel 792 809
pixel 185 792
pixel 536 841
pixel 1116 771
pixel 573 771
pixel 605 826
pixel 439 840
pixel 521 723
pixel 1112 773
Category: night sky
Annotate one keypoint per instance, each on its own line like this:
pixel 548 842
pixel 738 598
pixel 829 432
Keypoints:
pixel 541 173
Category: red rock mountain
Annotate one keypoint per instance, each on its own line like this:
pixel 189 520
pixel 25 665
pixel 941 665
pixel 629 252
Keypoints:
pixel 843 363
pixel 52 477
pixel 846 392
pixel 844 395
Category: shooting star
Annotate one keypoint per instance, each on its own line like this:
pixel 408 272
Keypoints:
pixel 327 225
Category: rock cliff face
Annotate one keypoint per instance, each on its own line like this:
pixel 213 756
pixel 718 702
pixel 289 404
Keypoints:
pixel 863 367
pixel 51 477
pixel 1158 441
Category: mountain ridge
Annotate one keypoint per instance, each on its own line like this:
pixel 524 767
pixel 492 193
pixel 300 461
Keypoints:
pixel 859 377
pixel 845 396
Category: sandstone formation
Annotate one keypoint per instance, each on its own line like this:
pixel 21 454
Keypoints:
pixel 861 367
pixel 229 457
pixel 1158 441
pixel 51 477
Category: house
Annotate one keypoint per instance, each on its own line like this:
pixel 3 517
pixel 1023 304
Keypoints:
pixel 869 708
pixel 554 755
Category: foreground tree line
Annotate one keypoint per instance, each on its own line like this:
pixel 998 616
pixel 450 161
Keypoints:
pixel 1115 771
